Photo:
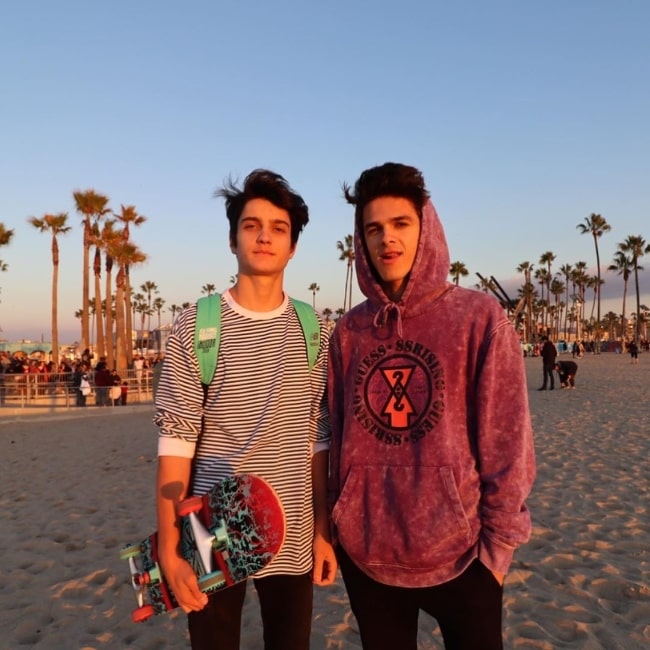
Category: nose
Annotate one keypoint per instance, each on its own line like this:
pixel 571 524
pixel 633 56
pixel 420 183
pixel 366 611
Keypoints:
pixel 387 235
pixel 264 234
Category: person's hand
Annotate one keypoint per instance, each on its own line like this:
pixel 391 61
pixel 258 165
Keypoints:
pixel 324 562
pixel 184 584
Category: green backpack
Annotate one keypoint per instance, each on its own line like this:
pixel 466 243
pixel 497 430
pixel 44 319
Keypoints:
pixel 208 332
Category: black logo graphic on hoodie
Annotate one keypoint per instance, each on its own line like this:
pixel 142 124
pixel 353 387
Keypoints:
pixel 400 393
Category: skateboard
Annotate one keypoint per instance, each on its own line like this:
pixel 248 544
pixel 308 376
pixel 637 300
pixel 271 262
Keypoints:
pixel 227 535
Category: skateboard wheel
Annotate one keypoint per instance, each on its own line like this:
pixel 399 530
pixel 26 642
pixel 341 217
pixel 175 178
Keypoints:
pixel 189 505
pixel 212 581
pixel 141 579
pixel 142 613
pixel 131 550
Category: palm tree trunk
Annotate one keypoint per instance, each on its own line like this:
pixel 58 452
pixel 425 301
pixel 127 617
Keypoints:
pixel 623 319
pixel 598 273
pixel 55 316
pixel 637 329
pixel 350 286
pixel 101 348
pixel 110 348
pixel 85 298
pixel 128 325
pixel 119 322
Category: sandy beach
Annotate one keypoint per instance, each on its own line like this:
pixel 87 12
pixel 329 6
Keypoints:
pixel 79 484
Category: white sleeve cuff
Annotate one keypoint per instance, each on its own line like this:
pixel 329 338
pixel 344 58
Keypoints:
pixel 320 446
pixel 175 447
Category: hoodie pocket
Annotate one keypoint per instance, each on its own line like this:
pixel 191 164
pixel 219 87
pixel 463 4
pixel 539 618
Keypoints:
pixel 410 517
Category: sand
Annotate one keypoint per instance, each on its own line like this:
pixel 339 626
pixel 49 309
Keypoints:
pixel 77 485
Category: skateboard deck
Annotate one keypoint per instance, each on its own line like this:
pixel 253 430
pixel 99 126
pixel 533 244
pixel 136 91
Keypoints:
pixel 227 536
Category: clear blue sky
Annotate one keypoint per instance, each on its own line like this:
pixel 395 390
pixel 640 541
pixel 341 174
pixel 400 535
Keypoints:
pixel 524 116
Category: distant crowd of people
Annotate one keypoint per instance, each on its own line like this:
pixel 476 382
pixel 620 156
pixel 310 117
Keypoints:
pixel 578 349
pixel 35 377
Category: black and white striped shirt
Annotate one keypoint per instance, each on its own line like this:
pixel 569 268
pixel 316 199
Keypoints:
pixel 265 412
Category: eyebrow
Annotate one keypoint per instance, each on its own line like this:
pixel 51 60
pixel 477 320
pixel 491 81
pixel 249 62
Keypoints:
pixel 275 222
pixel 399 217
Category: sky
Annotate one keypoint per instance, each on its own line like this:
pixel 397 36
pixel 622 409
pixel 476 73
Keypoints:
pixel 524 116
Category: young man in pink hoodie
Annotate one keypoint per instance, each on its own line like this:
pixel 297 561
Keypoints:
pixel 431 454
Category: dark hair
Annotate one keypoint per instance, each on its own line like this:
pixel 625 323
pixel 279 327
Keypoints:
pixel 389 179
pixel 263 184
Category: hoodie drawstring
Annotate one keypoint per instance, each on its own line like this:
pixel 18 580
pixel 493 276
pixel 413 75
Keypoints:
pixel 381 317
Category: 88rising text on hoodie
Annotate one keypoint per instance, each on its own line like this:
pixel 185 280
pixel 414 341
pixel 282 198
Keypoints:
pixel 399 392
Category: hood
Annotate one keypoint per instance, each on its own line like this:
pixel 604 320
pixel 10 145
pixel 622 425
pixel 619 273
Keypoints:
pixel 428 279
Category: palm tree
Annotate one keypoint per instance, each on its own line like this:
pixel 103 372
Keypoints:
pixel 158 304
pixel 547 259
pixel 96 241
pixel 313 287
pixel 149 288
pixel 456 270
pixel 136 301
pixel 527 293
pixel 125 254
pixel 622 264
pixel 596 225
pixel 140 307
pixel 208 288
pixel 346 250
pixel 109 238
pixel 174 309
pixel 56 225
pixel 486 285
pixel 637 247
pixel 339 312
pixel 327 314
pixel 5 239
pixel 128 216
pixel 92 206
pixel 565 272
pixel 557 289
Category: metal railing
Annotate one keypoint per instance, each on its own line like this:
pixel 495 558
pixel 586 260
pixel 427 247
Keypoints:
pixel 58 389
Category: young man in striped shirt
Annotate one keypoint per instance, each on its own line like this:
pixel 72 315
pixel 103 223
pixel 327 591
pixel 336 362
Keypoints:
pixel 264 412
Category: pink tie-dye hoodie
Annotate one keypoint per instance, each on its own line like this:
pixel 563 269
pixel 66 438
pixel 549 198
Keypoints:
pixel 432 451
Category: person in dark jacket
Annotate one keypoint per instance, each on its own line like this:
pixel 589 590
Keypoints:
pixel 549 354
pixel 567 372
pixel 432 454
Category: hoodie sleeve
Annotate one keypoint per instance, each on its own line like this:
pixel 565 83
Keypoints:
pixel 505 449
pixel 336 407
pixel 319 420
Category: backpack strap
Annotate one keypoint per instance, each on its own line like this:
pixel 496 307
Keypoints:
pixel 310 329
pixel 207 335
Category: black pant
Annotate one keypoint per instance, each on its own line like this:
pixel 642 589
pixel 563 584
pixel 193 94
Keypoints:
pixel 467 608
pixel 285 604
pixel 548 374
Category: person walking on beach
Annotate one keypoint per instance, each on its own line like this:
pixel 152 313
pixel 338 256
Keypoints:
pixel 431 455
pixel 275 426
pixel 567 372
pixel 633 349
pixel 549 354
